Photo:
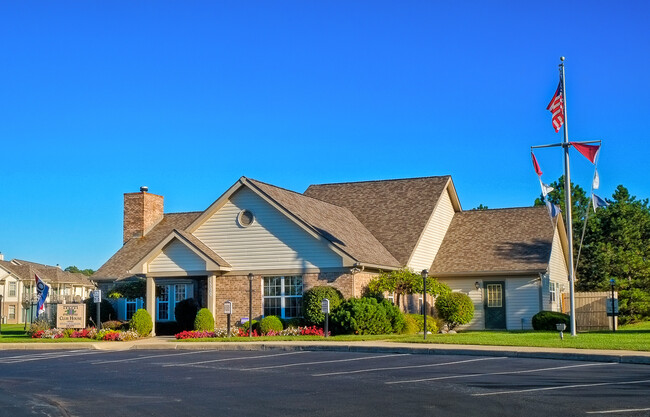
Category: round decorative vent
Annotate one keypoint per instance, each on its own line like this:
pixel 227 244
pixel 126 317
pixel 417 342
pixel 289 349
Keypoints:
pixel 245 218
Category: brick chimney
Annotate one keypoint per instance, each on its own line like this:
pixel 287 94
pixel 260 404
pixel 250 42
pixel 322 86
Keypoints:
pixel 141 212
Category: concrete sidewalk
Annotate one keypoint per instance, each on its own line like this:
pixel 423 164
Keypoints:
pixel 168 342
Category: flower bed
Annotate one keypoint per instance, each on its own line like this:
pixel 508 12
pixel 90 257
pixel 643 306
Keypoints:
pixel 240 332
pixel 92 334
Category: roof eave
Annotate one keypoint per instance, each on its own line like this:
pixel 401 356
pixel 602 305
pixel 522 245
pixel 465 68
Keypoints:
pixel 520 272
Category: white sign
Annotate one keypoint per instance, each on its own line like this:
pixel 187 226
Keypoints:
pixel 325 306
pixel 227 307
pixel 97 296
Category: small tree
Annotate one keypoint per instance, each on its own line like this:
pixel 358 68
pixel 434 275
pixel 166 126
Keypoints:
pixel 141 322
pixel 311 303
pixel 455 308
pixel 405 281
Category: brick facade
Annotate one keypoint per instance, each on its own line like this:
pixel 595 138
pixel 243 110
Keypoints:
pixel 141 211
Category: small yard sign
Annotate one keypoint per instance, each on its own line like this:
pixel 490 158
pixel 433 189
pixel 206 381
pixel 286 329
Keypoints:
pixel 609 307
pixel 97 296
pixel 71 316
pixel 325 306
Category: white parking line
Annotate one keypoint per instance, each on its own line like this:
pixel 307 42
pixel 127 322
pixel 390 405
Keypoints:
pixel 625 410
pixel 526 371
pixel 31 355
pixel 358 371
pixel 599 384
pixel 43 358
pixel 149 357
pixel 319 362
pixel 232 359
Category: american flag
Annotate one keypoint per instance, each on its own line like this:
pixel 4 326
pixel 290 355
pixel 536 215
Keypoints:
pixel 556 107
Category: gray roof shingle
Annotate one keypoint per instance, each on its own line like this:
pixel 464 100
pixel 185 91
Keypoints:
pixel 394 211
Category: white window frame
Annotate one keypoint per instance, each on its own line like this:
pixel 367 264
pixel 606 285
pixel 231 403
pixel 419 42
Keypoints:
pixel 283 296
pixel 11 313
pixel 12 288
pixel 552 290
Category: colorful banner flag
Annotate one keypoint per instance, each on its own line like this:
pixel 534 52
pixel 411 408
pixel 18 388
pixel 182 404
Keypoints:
pixel 538 170
pixel 588 151
pixel 596 184
pixel 598 202
pixel 545 188
pixel 556 107
pixel 42 289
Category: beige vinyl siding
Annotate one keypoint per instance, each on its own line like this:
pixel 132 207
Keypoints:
pixel 522 301
pixel 272 242
pixel 558 272
pixel 467 286
pixel 176 257
pixel 433 234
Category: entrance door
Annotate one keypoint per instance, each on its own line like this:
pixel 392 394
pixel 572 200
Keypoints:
pixel 494 303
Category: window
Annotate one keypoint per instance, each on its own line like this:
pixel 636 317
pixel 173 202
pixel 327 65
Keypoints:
pixel 283 296
pixel 553 287
pixel 130 307
pixel 12 312
pixel 494 298
pixel 180 293
pixel 12 289
pixel 163 303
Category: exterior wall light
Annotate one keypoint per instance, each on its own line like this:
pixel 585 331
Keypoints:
pixel 477 285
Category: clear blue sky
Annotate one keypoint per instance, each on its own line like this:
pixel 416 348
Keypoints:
pixel 99 98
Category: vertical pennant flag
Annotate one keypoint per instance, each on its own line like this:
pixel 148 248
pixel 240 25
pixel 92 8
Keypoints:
pixel 598 202
pixel 545 188
pixel 42 289
pixel 556 107
pixel 538 170
pixel 596 184
pixel 588 151
pixel 553 210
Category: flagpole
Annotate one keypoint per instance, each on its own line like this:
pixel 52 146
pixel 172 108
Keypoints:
pixel 567 198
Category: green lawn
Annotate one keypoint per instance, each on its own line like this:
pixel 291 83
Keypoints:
pixel 12 333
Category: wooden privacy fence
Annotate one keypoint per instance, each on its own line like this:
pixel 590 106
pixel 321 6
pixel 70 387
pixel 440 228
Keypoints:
pixel 591 310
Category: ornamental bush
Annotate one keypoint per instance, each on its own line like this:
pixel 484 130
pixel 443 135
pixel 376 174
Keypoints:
pixel 415 324
pixel 455 308
pixel 204 320
pixel 185 313
pixel 367 316
pixel 141 322
pixel 546 320
pixel 255 323
pixel 311 303
pixel 271 323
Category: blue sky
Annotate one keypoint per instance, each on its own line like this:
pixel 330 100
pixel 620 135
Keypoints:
pixel 99 98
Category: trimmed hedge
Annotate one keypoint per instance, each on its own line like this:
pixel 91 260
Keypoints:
pixel 455 308
pixel 141 322
pixel 415 324
pixel 546 320
pixel 185 313
pixel 269 323
pixel 311 303
pixel 204 320
pixel 367 316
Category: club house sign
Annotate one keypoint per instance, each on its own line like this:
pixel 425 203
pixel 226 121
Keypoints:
pixel 71 316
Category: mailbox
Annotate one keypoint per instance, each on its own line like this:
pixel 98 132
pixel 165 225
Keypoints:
pixel 227 307
pixel 325 306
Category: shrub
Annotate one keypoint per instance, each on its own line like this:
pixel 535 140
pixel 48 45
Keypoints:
pixel 185 313
pixel 271 323
pixel 295 322
pixel 455 308
pixel 367 316
pixel 41 324
pixel 204 320
pixel 256 325
pixel 311 303
pixel 114 325
pixel 546 320
pixel 415 324
pixel 141 322
pixel 106 311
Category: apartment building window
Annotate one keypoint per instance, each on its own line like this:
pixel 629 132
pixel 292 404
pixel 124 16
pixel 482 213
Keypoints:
pixel 163 303
pixel 12 312
pixel 12 289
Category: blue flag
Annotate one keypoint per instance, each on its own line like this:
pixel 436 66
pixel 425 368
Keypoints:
pixel 553 210
pixel 598 202
pixel 42 289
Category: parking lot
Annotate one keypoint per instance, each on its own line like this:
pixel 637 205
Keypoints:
pixel 279 382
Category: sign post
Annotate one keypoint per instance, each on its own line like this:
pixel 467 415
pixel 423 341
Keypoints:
pixel 325 308
pixel 227 309
pixel 612 306
pixel 97 298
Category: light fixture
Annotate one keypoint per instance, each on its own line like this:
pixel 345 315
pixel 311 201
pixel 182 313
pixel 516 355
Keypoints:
pixel 477 285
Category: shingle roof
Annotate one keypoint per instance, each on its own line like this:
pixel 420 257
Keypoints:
pixel 127 256
pixel 25 270
pixel 336 224
pixel 394 211
pixel 502 240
